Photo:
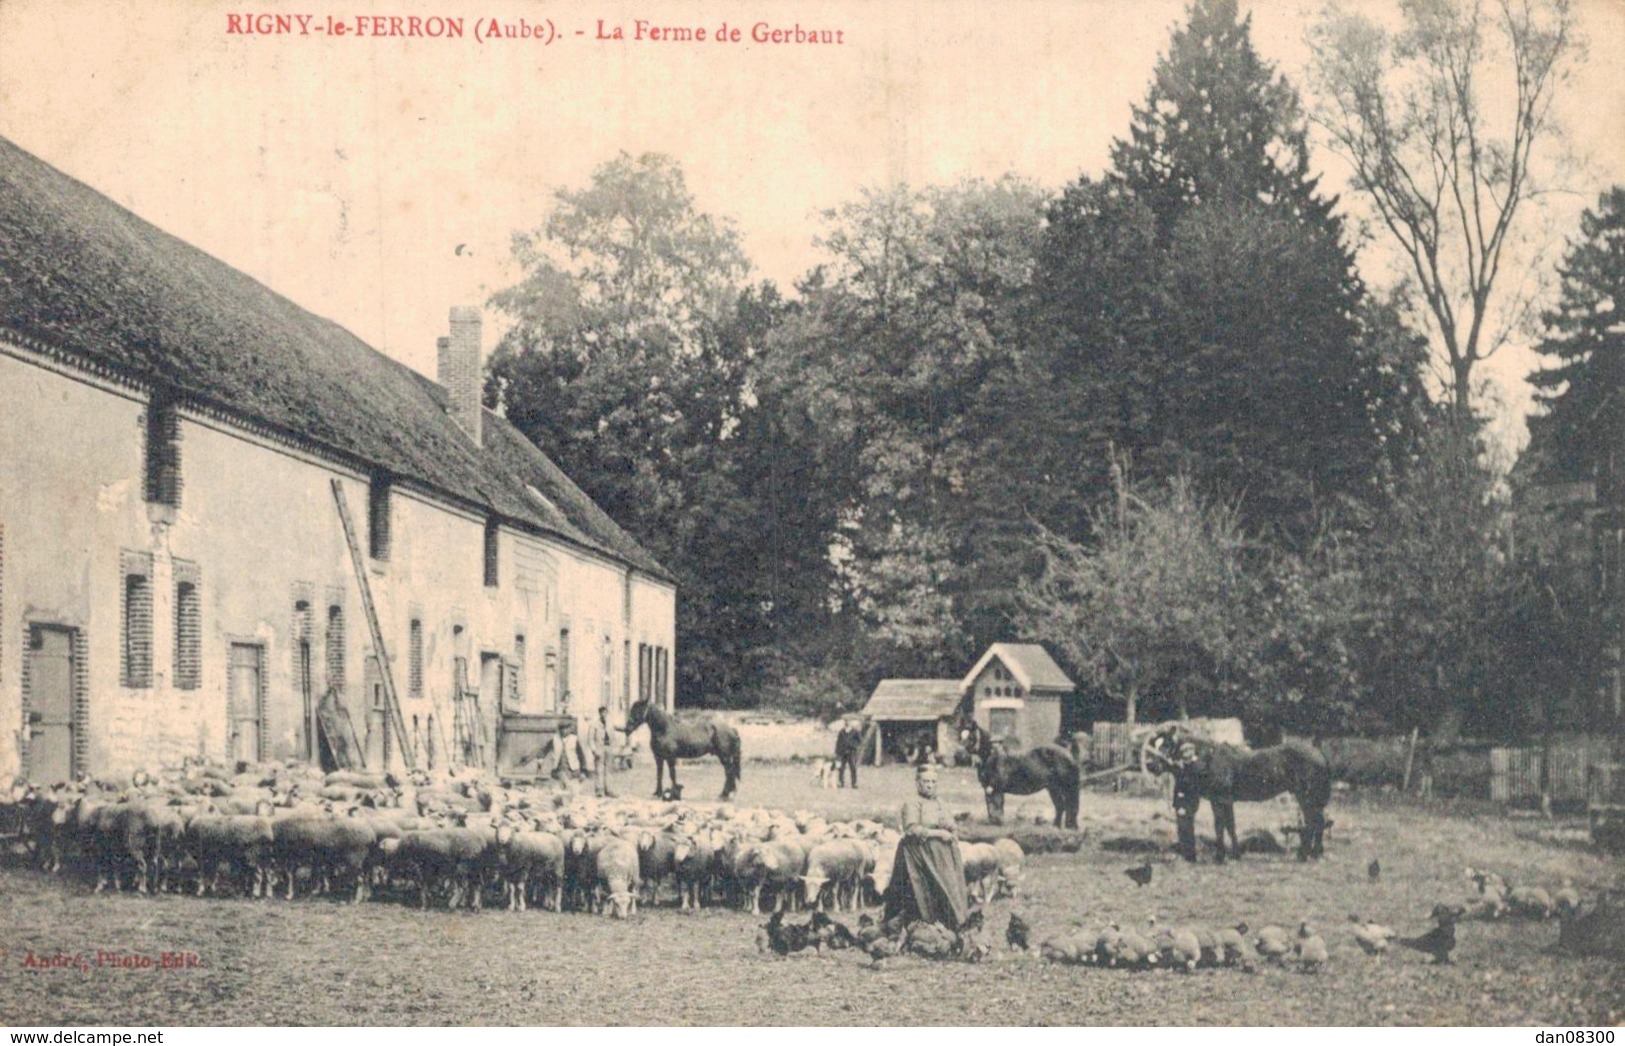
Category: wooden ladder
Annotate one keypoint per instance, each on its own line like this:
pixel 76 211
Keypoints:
pixel 388 680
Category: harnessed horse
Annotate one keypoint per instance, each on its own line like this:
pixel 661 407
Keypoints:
pixel 671 739
pixel 1227 774
pixel 1041 768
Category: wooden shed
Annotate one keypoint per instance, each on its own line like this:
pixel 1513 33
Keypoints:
pixel 911 715
pixel 1018 693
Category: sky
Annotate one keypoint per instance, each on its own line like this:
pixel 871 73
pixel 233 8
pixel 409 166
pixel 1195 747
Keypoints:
pixel 377 180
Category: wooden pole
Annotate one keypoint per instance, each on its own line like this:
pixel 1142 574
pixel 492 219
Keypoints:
pixel 1410 756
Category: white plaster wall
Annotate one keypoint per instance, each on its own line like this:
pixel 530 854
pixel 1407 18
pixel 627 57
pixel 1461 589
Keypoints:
pixel 259 520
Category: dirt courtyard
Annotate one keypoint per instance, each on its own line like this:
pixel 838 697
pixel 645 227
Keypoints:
pixel 320 962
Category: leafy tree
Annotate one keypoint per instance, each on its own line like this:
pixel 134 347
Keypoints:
pixel 902 334
pixel 1448 166
pixel 1438 587
pixel 626 362
pixel 1156 612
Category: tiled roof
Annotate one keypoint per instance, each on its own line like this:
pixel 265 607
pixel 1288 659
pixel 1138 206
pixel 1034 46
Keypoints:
pixel 86 279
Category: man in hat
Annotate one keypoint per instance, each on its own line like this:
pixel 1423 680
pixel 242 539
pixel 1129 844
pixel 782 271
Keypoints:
pixel 597 751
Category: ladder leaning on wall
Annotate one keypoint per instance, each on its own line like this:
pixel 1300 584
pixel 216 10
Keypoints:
pixel 360 565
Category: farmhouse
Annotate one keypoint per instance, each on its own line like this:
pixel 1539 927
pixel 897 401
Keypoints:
pixel 1016 691
pixel 178 447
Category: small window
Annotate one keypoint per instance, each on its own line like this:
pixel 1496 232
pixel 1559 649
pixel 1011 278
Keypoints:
pixel 163 451
pixel 491 563
pixel 518 687
pixel 564 667
pixel 1002 722
pixel 414 659
pixel 335 648
pixel 378 517
pixel 136 652
pixel 188 633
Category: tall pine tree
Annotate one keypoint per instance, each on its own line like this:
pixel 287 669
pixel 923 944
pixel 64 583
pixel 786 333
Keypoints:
pixel 1580 434
pixel 1232 346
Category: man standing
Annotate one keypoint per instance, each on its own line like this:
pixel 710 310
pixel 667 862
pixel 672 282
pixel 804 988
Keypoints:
pixel 598 751
pixel 847 743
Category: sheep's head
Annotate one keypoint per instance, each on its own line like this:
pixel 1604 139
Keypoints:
pixel 620 904
pixel 812 886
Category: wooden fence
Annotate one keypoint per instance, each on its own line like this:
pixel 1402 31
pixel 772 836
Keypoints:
pixel 1583 770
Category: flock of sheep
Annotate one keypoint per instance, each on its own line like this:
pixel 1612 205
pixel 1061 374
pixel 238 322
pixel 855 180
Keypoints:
pixel 292 831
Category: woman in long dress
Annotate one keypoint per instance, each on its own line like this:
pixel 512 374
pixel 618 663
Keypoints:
pixel 928 878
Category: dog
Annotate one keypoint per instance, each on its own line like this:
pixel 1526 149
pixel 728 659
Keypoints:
pixel 824 772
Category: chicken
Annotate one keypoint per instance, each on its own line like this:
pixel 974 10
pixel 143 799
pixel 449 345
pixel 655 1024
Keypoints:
pixel 1234 948
pixel 928 940
pixel 1016 934
pixel 830 933
pixel 1141 875
pixel 1373 870
pixel 1310 949
pixel 1440 941
pixel 1566 899
pixel 1273 943
pixel 1372 938
pixel 1531 902
pixel 786 939
pixel 884 948
pixel 1184 950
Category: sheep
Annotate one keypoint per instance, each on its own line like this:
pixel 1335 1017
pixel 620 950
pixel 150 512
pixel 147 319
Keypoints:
pixel 523 858
pixel 1012 859
pixel 1530 902
pixel 617 877
pixel 450 858
pixel 241 843
pixel 981 862
pixel 835 862
pixel 657 856
pixel 331 847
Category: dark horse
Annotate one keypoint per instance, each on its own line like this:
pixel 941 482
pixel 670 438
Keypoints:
pixel 1227 774
pixel 1041 768
pixel 671 739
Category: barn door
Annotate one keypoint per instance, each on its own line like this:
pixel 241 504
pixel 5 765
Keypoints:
pixel 51 721
pixel 245 711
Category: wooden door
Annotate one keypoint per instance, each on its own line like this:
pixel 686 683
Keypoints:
pixel 245 710
pixel 51 721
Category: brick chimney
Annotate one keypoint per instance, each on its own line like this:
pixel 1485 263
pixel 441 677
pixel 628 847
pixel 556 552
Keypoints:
pixel 459 369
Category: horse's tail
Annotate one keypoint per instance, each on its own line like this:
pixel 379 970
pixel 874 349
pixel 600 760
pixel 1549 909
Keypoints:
pixel 729 751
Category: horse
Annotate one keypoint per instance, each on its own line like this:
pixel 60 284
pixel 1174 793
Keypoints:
pixel 1041 768
pixel 672 738
pixel 1226 774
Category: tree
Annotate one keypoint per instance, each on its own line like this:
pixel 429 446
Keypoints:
pixel 915 317
pixel 1580 431
pixel 1448 169
pixel 1219 126
pixel 626 363
pixel 1157 611
pixel 1438 587
pixel 1205 302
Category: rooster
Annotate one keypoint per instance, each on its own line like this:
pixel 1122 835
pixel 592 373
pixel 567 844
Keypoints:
pixel 1141 875
pixel 1440 941
pixel 1017 933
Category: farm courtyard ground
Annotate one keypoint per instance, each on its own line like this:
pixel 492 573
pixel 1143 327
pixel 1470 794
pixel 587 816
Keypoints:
pixel 316 962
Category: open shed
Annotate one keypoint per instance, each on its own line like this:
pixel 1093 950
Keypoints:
pixel 910 716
